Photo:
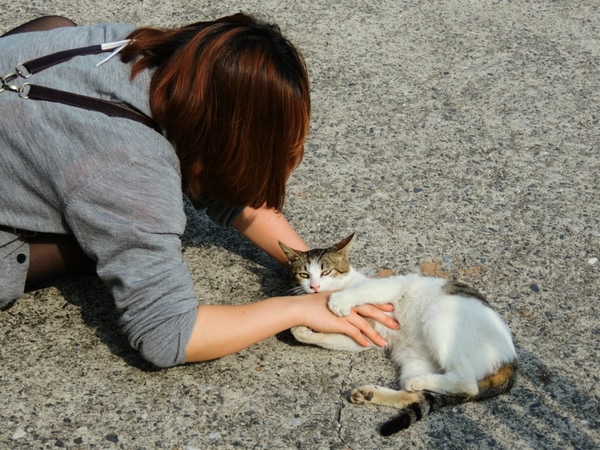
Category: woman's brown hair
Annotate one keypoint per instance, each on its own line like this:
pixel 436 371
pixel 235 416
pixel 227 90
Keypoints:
pixel 232 96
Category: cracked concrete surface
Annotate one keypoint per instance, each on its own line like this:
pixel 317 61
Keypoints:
pixel 457 138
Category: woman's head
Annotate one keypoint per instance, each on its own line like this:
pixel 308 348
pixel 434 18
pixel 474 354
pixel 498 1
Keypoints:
pixel 233 97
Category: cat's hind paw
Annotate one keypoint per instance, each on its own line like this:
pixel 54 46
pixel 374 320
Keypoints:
pixel 303 334
pixel 340 303
pixel 362 395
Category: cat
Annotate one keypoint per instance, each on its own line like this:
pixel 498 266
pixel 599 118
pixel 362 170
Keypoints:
pixel 451 347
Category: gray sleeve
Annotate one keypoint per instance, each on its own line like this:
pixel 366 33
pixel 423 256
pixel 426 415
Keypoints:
pixel 129 220
pixel 219 212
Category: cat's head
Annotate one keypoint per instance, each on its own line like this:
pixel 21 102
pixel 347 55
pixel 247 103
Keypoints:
pixel 320 269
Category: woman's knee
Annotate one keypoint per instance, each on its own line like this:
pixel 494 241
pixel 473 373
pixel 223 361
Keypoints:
pixel 53 256
pixel 42 24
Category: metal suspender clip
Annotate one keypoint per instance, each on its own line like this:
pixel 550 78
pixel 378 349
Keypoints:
pixel 22 90
pixel 22 71
pixel 6 79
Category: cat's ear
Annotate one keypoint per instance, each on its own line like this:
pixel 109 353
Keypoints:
pixel 346 244
pixel 289 252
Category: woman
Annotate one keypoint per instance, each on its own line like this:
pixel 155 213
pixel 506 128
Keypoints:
pixel 77 187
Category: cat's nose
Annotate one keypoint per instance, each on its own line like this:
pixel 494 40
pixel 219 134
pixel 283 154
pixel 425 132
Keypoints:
pixel 316 288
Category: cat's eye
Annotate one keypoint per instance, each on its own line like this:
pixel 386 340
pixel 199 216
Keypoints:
pixel 325 273
pixel 304 275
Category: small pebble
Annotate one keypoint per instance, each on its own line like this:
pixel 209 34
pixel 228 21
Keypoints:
pixel 535 288
pixel 19 433
pixel 384 273
pixel 294 422
pixel 593 261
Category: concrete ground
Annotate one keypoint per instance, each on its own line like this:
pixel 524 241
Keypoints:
pixel 458 138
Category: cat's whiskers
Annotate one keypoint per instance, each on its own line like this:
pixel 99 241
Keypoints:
pixel 296 290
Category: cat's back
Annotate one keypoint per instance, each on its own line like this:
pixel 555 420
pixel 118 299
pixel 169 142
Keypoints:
pixel 451 296
pixel 421 297
pixel 415 289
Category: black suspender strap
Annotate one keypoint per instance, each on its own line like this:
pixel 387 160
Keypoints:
pixel 111 109
pixel 35 92
pixel 44 62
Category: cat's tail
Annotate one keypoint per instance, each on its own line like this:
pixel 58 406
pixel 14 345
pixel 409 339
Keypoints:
pixel 492 385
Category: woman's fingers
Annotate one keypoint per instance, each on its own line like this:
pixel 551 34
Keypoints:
pixel 384 307
pixel 366 333
pixel 378 313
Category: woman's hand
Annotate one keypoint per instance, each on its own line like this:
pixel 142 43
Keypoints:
pixel 318 318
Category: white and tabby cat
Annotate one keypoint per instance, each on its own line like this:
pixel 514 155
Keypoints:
pixel 452 347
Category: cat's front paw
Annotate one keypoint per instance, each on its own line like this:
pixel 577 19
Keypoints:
pixel 303 334
pixel 340 303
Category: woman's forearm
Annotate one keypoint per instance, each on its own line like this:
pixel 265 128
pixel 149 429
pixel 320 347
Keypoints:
pixel 223 329
pixel 264 227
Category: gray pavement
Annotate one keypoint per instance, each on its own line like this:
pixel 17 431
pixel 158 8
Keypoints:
pixel 458 138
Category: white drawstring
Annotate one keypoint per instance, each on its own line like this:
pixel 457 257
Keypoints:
pixel 118 46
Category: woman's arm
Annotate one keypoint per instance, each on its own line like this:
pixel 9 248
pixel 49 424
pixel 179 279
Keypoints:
pixel 222 329
pixel 264 227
